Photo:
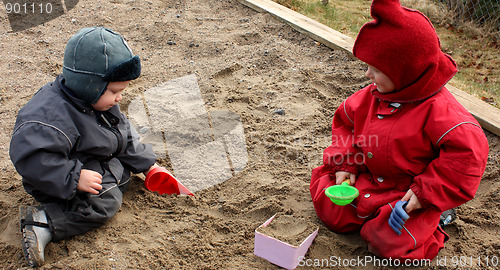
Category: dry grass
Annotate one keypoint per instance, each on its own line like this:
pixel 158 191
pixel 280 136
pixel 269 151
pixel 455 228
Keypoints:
pixel 475 49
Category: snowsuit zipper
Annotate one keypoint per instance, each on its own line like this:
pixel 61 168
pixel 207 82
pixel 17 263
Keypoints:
pixel 118 135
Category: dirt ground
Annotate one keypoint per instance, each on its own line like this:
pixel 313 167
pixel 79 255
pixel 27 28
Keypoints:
pixel 284 86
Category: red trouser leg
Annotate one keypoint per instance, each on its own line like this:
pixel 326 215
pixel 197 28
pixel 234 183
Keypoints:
pixel 421 237
pixel 339 219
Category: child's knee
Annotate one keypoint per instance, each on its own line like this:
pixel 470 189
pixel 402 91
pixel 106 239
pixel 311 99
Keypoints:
pixel 419 238
pixel 340 219
pixel 108 202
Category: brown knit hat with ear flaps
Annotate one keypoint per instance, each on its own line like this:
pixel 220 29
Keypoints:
pixel 403 44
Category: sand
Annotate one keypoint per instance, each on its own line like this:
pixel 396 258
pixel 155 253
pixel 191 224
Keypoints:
pixel 280 86
pixel 288 229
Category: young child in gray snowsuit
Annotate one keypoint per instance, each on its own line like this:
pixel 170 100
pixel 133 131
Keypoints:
pixel 73 147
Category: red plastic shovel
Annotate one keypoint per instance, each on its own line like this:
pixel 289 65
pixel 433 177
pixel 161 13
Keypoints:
pixel 159 179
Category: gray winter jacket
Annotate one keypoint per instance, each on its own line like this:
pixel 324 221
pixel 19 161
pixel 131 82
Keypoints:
pixel 56 135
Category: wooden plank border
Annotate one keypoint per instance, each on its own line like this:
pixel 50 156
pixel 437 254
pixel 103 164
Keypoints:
pixel 487 115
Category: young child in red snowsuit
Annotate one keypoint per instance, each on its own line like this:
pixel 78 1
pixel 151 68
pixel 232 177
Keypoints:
pixel 402 138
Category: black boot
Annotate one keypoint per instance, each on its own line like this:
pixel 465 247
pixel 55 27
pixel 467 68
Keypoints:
pixel 35 233
pixel 447 217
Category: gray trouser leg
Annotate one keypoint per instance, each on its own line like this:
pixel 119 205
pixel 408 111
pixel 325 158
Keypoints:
pixel 85 211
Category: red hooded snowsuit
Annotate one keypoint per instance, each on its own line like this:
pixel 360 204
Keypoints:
pixel 417 137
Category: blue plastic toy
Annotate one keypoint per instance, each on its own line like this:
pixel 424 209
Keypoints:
pixel 398 217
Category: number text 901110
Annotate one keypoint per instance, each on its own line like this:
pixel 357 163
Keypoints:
pixel 28 8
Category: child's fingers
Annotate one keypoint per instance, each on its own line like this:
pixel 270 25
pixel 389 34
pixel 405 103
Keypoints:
pixel 408 195
pixel 93 191
pixel 94 188
pixel 410 206
pixel 97 186
pixel 352 178
pixel 90 181
pixel 413 204
pixel 96 174
pixel 340 176
pixel 89 175
pixel 98 180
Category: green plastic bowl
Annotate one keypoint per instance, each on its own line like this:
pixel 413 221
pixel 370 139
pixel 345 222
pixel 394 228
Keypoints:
pixel 342 194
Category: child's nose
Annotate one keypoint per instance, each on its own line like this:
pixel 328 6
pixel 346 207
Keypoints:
pixel 369 74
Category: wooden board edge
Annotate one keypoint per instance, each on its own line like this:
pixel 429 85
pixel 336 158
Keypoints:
pixel 487 115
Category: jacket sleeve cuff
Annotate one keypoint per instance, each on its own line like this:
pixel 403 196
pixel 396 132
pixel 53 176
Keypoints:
pixel 417 190
pixel 347 168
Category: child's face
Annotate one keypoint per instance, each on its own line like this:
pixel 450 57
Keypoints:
pixel 383 83
pixel 112 95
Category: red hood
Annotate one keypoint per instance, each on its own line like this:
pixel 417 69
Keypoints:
pixel 403 44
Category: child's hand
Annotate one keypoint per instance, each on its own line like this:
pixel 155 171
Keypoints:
pixel 90 181
pixel 341 176
pixel 413 202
